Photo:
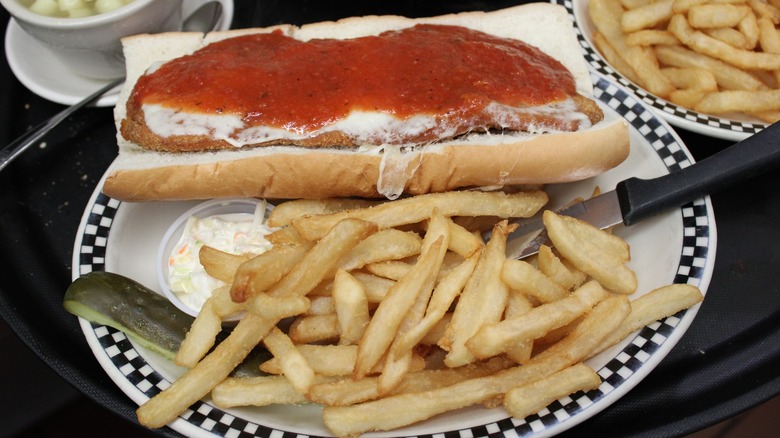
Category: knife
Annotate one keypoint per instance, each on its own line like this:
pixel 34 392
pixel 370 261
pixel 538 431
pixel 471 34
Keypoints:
pixel 635 199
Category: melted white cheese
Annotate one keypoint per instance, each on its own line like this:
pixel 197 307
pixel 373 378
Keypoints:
pixel 366 127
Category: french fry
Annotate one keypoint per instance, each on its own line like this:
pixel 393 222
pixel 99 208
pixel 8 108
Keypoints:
pixel 707 45
pixel 255 391
pixel 325 360
pixel 657 304
pixel 601 255
pixel 260 273
pixel 195 383
pixel 291 362
pixel 521 276
pixel 400 410
pixel 349 392
pixel 279 307
pixel 482 301
pixel 740 101
pixel 607 16
pixel 710 16
pixel 693 78
pixel 499 337
pixel 651 37
pixel 730 36
pixel 387 244
pixel 517 305
pixel 220 264
pixel 201 336
pixel 418 208
pixel 351 305
pixel 727 76
pixel 315 328
pixel 391 270
pixel 561 272
pixel 525 400
pixel 399 353
pixel 284 213
pixel 391 311
pixel 646 16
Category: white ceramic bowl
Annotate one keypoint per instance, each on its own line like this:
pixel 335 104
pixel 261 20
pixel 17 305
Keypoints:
pixel 216 207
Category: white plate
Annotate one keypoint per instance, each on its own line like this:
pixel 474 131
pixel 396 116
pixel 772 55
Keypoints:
pixel 678 246
pixel 45 75
pixel 735 129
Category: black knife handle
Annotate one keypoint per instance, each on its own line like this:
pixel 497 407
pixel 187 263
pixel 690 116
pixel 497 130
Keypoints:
pixel 759 153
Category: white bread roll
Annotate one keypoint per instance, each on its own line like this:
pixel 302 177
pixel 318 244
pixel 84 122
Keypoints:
pixel 475 160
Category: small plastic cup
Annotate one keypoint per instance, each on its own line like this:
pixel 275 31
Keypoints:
pixel 216 207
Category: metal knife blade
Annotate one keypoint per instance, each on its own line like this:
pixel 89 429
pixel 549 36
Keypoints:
pixel 602 211
pixel 634 199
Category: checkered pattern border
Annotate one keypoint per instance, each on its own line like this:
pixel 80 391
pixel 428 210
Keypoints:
pixel 615 373
pixel 597 62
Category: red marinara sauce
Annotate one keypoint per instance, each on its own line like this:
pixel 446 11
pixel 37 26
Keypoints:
pixel 274 80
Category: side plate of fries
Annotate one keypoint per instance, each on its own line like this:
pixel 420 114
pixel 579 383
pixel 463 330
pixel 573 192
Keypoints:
pixel 707 75
pixel 459 339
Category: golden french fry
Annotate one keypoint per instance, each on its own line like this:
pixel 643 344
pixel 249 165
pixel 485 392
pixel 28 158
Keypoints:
pixel 400 410
pixel 651 37
pixel 601 255
pixel 693 78
pixel 769 37
pixel 518 304
pixel 292 363
pixel 321 305
pixel 482 301
pixel 607 16
pixel 220 264
pixel 260 273
pixel 561 272
pixel 322 259
pixel 255 391
pixel 348 391
pixel 279 307
pixel 730 101
pixel 201 336
pixel 351 306
pixel 195 383
pixel 633 4
pixel 727 76
pixel 497 338
pixel 463 242
pixel 657 304
pixel 400 351
pixel 251 329
pixel 418 208
pixel 710 16
pixel 525 400
pixel 647 16
pixel 325 360
pixel 314 328
pixel 749 27
pixel 284 213
pixel 285 236
pixel 688 98
pixel 523 277
pixel 682 6
pixel 765 10
pixel 387 244
pixel 707 45
pixel 400 298
pixel 390 270
pixel 730 36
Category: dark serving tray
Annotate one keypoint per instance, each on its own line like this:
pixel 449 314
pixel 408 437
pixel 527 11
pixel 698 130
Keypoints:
pixel 727 362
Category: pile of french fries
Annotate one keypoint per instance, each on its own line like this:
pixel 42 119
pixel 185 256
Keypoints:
pixel 718 57
pixel 387 314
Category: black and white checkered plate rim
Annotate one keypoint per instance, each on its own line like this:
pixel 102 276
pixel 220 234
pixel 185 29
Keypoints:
pixel 597 62
pixel 619 370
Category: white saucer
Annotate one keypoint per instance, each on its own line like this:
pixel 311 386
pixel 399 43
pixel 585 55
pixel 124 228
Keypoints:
pixel 43 74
